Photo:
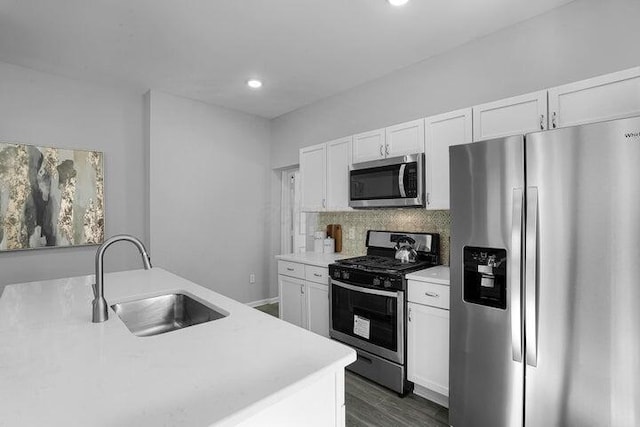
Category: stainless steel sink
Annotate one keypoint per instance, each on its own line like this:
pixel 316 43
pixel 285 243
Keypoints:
pixel 164 313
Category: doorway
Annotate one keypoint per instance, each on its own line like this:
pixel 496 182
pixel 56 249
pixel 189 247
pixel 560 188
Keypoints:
pixel 293 222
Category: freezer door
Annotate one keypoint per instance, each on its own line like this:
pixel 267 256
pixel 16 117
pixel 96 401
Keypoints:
pixel 486 369
pixel 583 276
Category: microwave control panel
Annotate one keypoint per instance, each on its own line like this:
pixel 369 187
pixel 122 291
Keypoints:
pixel 411 180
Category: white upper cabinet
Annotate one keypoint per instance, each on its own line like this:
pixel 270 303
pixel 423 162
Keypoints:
pixel 443 131
pixel 405 138
pixel 338 162
pixel 369 146
pixel 511 116
pixel 313 178
pixel 396 140
pixel 607 97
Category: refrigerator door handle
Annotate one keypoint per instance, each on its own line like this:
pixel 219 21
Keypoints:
pixel 531 280
pixel 516 275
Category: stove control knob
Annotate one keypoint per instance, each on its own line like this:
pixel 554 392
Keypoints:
pixel 376 282
pixel 387 283
pixel 345 274
pixel 336 274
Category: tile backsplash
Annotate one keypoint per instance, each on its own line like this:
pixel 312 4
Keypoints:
pixel 356 223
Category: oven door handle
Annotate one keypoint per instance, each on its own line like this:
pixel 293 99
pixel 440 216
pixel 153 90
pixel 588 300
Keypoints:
pixel 365 290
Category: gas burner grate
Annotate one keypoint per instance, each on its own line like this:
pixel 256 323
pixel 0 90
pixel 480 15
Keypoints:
pixel 381 263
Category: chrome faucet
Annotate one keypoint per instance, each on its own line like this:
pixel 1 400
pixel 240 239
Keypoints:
pixel 100 313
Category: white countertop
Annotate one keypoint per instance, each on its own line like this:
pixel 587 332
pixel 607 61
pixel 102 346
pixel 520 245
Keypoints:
pixel 313 258
pixel 59 368
pixel 439 274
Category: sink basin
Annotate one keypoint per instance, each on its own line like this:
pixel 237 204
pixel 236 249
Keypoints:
pixel 164 313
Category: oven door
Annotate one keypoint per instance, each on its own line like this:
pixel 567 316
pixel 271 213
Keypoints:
pixel 393 182
pixel 370 319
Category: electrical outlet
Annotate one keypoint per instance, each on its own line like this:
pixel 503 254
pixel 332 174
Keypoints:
pixel 252 278
pixel 352 233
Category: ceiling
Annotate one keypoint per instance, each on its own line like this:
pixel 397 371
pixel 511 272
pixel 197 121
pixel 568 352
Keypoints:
pixel 303 50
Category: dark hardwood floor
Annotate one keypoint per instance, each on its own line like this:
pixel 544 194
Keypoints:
pixel 371 405
pixel 271 309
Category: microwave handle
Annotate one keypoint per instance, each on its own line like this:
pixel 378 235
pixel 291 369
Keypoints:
pixel 403 193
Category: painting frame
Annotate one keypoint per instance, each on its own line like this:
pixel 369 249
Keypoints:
pixel 50 197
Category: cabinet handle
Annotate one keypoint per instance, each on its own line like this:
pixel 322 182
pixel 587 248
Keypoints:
pixel 432 294
pixel 324 203
pixel 381 151
pixel 289 269
pixel 409 314
pixel 428 201
pixel 553 119
pixel 317 274
pixel 541 121
pixel 386 149
pixel 302 289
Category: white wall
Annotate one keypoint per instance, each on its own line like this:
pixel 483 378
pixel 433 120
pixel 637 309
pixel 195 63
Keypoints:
pixel 577 41
pixel 583 39
pixel 210 183
pixel 42 109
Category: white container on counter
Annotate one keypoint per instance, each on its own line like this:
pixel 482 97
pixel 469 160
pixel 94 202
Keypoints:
pixel 318 241
pixel 329 245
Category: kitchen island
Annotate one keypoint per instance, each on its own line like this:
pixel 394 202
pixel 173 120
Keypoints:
pixel 59 368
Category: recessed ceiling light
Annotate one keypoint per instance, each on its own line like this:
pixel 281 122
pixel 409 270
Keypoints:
pixel 398 2
pixel 254 84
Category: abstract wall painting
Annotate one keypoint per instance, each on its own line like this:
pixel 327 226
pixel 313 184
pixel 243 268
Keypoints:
pixel 50 197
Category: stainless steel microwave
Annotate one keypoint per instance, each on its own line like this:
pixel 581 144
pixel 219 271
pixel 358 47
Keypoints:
pixel 396 182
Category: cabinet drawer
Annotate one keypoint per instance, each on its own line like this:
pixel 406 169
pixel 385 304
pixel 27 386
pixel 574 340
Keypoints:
pixel 291 269
pixel 317 274
pixel 428 294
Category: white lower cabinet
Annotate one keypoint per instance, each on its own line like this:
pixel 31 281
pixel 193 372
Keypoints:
pixel 428 347
pixel 292 301
pixel 304 303
pixel 318 308
pixel 428 341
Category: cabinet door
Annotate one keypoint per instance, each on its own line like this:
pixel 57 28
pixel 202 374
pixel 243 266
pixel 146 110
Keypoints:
pixel 369 146
pixel 405 138
pixel 608 97
pixel 428 347
pixel 292 302
pixel 312 177
pixel 338 162
pixel 512 116
pixel 318 308
pixel 443 131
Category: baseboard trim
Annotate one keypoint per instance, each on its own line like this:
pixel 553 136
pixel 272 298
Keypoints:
pixel 431 395
pixel 263 302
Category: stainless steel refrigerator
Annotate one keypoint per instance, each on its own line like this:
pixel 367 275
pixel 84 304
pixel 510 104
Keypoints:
pixel 545 279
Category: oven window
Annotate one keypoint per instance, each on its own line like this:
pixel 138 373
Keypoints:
pixel 377 316
pixel 375 183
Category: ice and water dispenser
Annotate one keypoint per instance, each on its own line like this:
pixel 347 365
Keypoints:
pixel 485 276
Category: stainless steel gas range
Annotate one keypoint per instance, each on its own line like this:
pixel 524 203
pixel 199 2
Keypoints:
pixel 368 304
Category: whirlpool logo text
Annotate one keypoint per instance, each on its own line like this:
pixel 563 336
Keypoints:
pixel 632 135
